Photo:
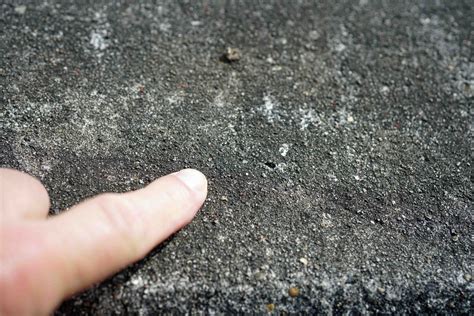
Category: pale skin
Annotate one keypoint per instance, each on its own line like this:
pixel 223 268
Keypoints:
pixel 44 260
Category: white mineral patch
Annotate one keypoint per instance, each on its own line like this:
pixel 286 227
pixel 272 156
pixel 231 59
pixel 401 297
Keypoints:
pixel 137 281
pixel 21 9
pixel 269 108
pixel 99 35
pixel 219 100
pixel 314 35
pixel 284 149
pixel 304 261
pixel 340 47
pixel 385 89
pixel 307 117
pixel 281 167
pixel 98 39
pixel 425 21
pixel 326 220
pixel 164 27
pixel 174 98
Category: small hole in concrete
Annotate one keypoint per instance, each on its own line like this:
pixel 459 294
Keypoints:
pixel 270 164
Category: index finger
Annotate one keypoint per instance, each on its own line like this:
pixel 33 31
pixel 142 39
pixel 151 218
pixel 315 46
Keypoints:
pixel 99 236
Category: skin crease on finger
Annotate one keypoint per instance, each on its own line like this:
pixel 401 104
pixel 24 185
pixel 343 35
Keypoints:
pixel 44 261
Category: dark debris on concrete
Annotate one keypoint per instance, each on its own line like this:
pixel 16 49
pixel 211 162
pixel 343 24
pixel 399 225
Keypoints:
pixel 338 151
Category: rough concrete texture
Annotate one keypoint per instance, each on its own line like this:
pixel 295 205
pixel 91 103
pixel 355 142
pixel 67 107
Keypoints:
pixel 338 148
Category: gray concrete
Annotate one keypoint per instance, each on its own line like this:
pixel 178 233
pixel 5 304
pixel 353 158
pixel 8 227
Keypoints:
pixel 337 148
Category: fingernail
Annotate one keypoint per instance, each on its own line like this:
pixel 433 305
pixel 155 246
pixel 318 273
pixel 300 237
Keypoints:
pixel 194 179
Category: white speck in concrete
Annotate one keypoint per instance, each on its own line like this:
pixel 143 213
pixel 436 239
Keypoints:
pixel 385 89
pixel 137 281
pixel 268 252
pixel 344 117
pixel 21 9
pixel 46 167
pixel 314 35
pixel 340 47
pixel 304 261
pixel 270 60
pixel 165 27
pixel 326 220
pixel 196 23
pixel 284 149
pixel 425 21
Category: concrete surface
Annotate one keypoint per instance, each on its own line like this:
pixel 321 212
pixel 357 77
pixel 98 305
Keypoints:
pixel 338 148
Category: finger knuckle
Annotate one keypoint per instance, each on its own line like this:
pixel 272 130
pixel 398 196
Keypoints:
pixel 122 219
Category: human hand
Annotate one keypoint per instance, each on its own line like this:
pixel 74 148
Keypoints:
pixel 44 260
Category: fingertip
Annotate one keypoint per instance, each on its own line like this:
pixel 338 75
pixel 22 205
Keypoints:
pixel 195 181
pixel 105 233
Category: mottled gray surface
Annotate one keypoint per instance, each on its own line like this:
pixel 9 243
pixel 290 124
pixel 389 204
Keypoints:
pixel 338 148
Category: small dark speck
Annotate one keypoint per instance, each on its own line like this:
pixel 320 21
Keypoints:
pixel 270 164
